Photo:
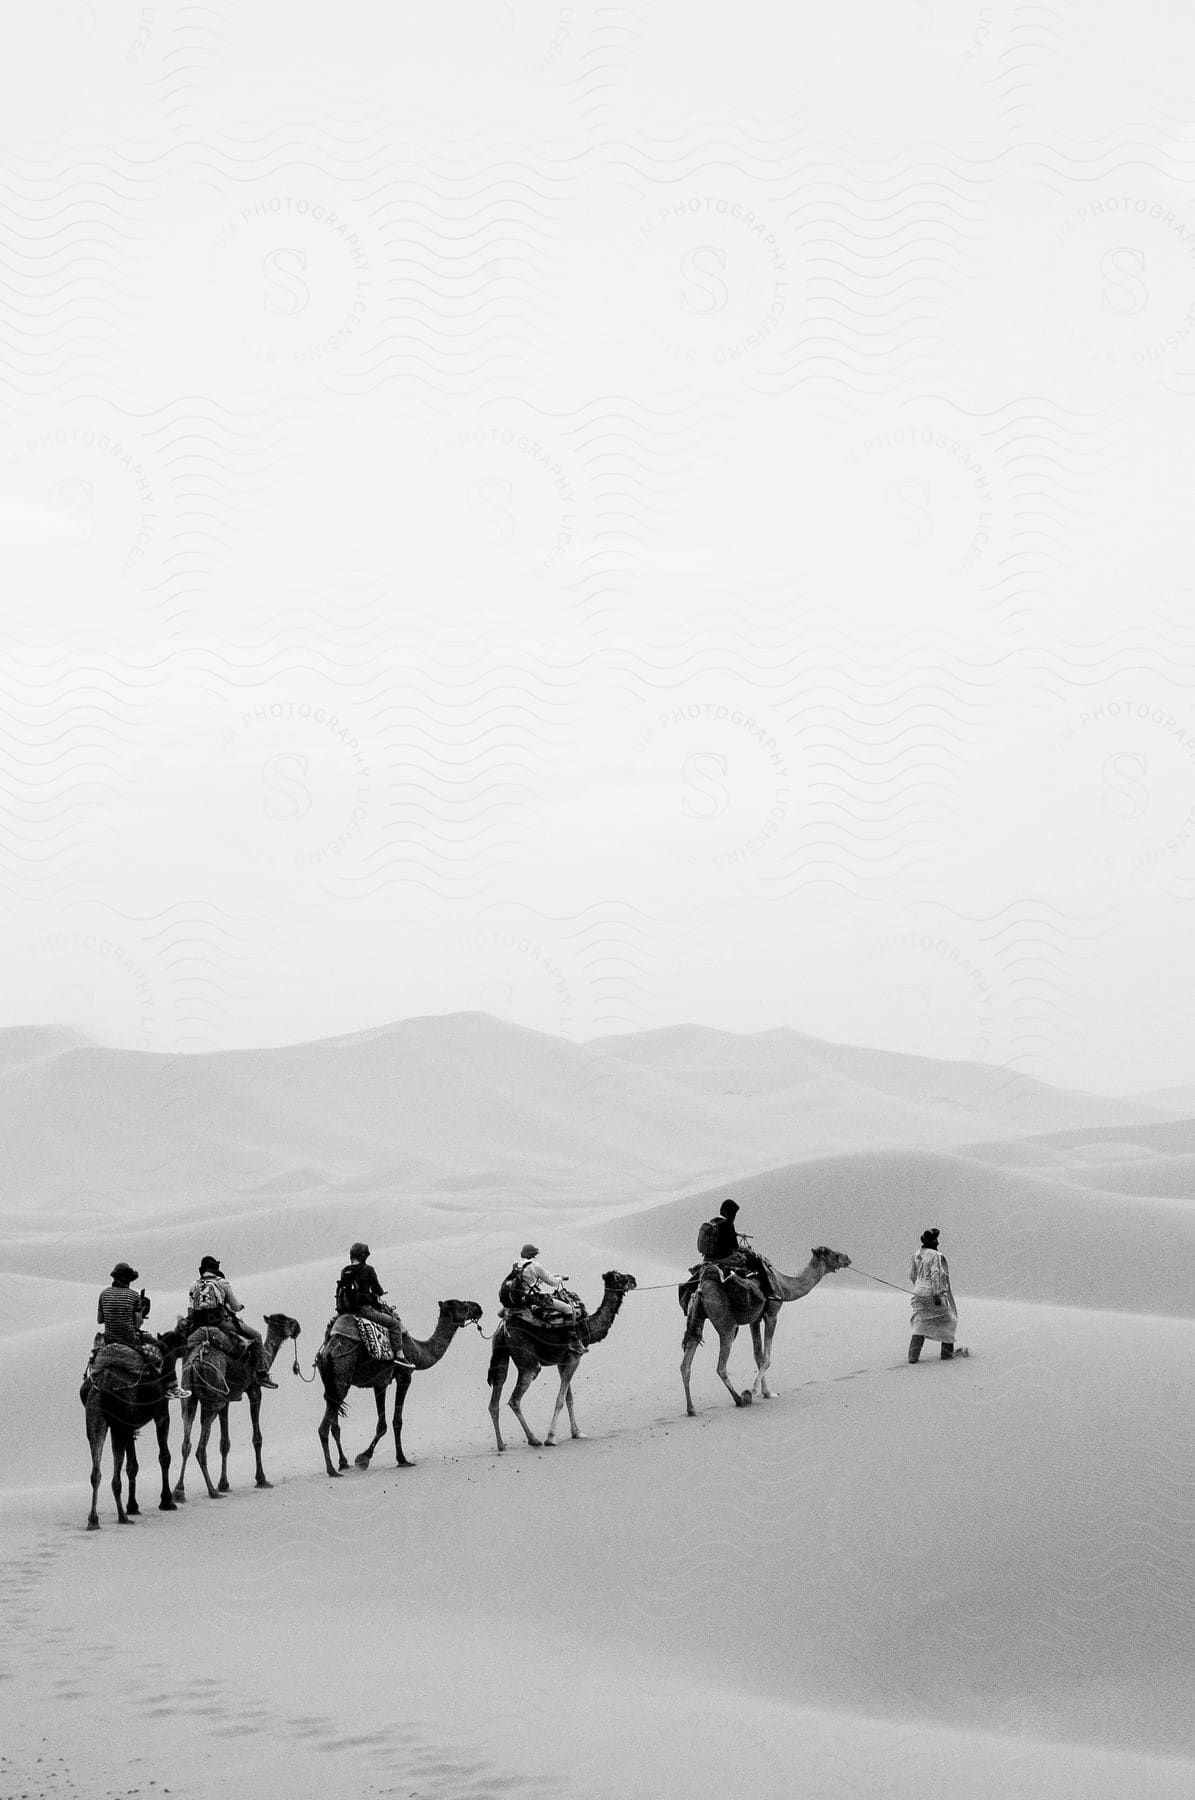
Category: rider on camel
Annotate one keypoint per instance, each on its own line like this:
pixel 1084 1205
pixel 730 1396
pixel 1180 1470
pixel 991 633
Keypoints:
pixel 359 1291
pixel 222 1314
pixel 121 1312
pixel 543 1289
pixel 731 1255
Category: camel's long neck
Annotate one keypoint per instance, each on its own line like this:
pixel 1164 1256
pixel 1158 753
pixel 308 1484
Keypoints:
pixel 431 1349
pixel 795 1287
pixel 599 1323
pixel 274 1340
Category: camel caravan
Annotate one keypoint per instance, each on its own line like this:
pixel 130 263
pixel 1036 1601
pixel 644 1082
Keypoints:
pixel 211 1358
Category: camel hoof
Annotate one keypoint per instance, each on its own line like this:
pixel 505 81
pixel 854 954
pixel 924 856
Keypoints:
pixel 125 1521
pixel 93 1524
pixel 359 1462
pixel 133 1508
pixel 404 1462
pixel 579 1437
pixel 334 1474
pixel 167 1506
pixel 343 1463
pixel 262 1482
pixel 222 1486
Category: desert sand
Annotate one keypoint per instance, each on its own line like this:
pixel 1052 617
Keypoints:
pixel 969 1579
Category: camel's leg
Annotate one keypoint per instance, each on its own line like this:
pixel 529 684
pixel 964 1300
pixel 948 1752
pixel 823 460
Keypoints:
pixel 690 1345
pixel 254 1398
pixel 568 1369
pixel 725 1345
pixel 120 1447
pixel 190 1408
pixel 205 1431
pixel 574 1428
pixel 225 1446
pixel 402 1382
pixel 131 1467
pixel 162 1427
pixel 690 1349
pixel 495 1402
pixel 526 1377
pixel 379 1394
pixel 763 1354
pixel 97 1431
pixel 327 1425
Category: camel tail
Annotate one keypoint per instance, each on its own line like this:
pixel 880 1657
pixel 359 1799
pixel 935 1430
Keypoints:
pixel 694 1320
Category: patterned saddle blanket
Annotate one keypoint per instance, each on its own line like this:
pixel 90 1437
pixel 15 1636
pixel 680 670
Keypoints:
pixel 373 1338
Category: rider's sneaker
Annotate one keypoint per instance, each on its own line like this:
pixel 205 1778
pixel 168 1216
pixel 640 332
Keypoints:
pixel 400 1362
pixel 266 1381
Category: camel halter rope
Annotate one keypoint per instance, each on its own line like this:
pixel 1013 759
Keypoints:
pixel 653 1287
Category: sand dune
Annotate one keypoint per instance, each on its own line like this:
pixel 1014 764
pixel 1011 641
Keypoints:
pixel 966 1579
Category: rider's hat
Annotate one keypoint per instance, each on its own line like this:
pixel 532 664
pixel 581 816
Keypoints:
pixel 123 1272
pixel 728 1208
pixel 358 1252
pixel 210 1265
pixel 929 1239
pixel 529 1250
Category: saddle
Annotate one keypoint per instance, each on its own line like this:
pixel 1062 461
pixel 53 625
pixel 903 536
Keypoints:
pixel 373 1338
pixel 550 1333
pixel 744 1290
pixel 115 1368
pixel 222 1358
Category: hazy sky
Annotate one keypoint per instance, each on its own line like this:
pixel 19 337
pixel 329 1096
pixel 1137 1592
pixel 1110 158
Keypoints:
pixel 606 515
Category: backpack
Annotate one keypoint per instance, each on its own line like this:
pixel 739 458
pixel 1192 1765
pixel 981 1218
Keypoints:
pixel 354 1289
pixel 514 1288
pixel 707 1237
pixel 206 1295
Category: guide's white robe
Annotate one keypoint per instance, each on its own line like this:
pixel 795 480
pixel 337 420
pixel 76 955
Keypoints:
pixel 928 1269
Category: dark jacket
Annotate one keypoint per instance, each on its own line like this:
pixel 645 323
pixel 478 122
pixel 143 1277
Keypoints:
pixel 358 1286
pixel 726 1240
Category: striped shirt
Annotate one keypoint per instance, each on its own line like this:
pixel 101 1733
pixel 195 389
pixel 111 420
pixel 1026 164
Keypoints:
pixel 119 1312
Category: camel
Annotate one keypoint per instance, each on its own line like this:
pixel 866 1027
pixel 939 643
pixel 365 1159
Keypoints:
pixel 529 1352
pixel 342 1365
pixel 123 1414
pixel 210 1397
pixel 710 1302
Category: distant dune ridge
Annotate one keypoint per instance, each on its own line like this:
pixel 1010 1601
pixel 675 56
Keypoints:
pixel 1028 1516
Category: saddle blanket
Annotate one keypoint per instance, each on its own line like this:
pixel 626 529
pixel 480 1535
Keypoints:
pixel 562 1335
pixel 373 1338
pixel 115 1369
pixel 744 1292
